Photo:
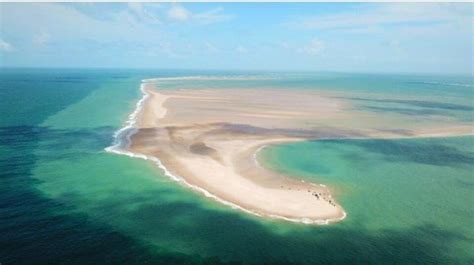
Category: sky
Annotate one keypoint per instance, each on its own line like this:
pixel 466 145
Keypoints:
pixel 348 37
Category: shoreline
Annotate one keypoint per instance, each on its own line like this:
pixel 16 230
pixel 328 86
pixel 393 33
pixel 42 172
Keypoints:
pixel 123 140
pixel 128 131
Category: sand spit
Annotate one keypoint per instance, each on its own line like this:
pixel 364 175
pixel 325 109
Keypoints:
pixel 208 139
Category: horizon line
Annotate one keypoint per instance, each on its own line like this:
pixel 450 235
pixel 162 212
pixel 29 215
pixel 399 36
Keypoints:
pixel 471 74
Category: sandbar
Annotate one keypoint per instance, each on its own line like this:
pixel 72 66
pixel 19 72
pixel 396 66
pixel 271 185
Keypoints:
pixel 209 138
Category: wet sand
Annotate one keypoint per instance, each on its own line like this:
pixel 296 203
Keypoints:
pixel 209 138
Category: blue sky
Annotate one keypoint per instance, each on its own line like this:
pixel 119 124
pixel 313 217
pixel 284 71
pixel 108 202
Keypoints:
pixel 376 37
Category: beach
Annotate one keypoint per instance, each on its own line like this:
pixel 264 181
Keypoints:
pixel 209 139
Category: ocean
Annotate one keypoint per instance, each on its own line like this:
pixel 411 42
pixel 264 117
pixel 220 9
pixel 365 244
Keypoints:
pixel 65 200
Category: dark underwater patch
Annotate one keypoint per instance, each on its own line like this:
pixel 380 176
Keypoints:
pixel 419 104
pixel 428 152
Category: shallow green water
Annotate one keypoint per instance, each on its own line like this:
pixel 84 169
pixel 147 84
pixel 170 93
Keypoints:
pixel 393 184
pixel 64 200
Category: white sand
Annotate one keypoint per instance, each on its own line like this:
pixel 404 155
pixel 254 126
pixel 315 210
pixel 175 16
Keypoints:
pixel 209 138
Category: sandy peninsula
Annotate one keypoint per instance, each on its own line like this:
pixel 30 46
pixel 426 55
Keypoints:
pixel 210 137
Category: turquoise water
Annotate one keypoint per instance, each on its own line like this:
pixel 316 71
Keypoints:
pixel 64 200
pixel 403 184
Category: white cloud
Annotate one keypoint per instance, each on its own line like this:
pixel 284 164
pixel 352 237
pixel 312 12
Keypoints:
pixel 211 48
pixel 83 32
pixel 97 32
pixel 315 47
pixel 169 50
pixel 283 44
pixel 394 43
pixel 144 13
pixel 359 58
pixel 241 49
pixel 212 16
pixel 179 13
pixel 374 17
pixel 74 25
pixel 5 46
pixel 41 38
pixel 396 46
